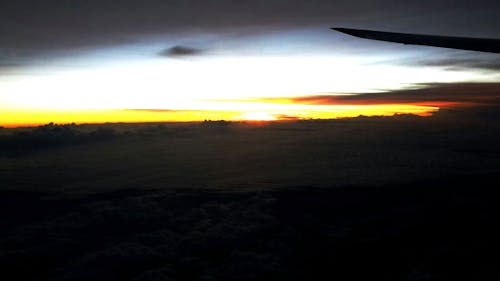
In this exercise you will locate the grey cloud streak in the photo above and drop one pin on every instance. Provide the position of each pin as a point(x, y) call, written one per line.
point(431, 94)
point(456, 60)
point(181, 51)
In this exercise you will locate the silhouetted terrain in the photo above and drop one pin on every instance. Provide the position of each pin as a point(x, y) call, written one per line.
point(399, 198)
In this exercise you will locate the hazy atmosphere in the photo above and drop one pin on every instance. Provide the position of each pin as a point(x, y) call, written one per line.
point(247, 140)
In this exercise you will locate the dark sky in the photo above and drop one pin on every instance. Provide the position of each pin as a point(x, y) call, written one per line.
point(31, 28)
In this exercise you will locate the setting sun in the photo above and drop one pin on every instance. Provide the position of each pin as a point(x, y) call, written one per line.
point(258, 116)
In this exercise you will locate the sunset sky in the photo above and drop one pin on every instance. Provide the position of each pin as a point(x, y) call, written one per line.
point(132, 61)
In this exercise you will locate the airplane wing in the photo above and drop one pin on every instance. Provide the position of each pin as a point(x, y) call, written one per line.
point(462, 43)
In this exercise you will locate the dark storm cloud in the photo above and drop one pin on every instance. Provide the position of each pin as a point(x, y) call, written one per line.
point(33, 27)
point(433, 94)
point(181, 51)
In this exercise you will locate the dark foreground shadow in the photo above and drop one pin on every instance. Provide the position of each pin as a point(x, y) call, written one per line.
point(423, 231)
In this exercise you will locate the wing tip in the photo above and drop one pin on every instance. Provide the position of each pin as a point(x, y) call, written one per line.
point(340, 29)
point(350, 31)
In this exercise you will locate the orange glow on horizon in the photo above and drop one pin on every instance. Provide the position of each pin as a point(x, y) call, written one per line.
point(232, 87)
point(33, 117)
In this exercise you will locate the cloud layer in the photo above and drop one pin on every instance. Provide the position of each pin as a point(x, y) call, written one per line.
point(432, 94)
